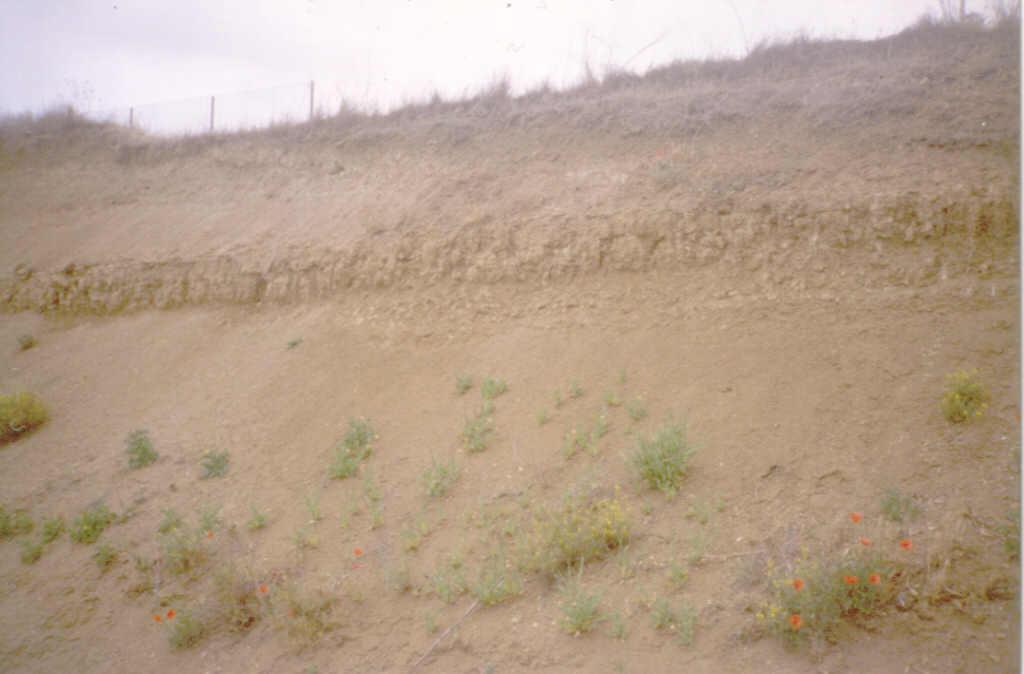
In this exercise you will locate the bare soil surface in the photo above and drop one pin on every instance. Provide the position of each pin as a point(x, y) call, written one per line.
point(789, 253)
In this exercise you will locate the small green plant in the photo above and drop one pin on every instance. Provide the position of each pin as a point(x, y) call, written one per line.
point(14, 524)
point(491, 388)
point(575, 390)
point(636, 409)
point(105, 557)
point(171, 521)
point(447, 582)
point(678, 574)
point(209, 519)
point(682, 621)
point(574, 441)
point(703, 510)
point(898, 507)
point(313, 508)
point(430, 622)
point(662, 460)
point(581, 610)
point(355, 447)
point(600, 429)
point(183, 551)
point(578, 530)
point(88, 526)
point(257, 521)
point(26, 342)
point(397, 577)
point(19, 414)
point(496, 583)
point(965, 398)
point(543, 417)
point(237, 599)
point(1009, 530)
point(186, 631)
point(463, 383)
point(292, 343)
point(413, 533)
point(214, 464)
point(696, 546)
point(612, 399)
point(305, 539)
point(440, 477)
point(53, 527)
point(478, 430)
point(139, 449)
point(304, 616)
point(31, 551)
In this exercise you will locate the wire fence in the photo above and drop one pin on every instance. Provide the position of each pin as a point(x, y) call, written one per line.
point(238, 111)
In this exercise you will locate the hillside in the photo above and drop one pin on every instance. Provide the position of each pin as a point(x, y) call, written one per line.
point(788, 253)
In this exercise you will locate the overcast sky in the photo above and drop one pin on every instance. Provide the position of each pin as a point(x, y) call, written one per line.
point(107, 55)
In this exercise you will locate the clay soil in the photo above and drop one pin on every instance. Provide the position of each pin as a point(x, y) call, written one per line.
point(788, 253)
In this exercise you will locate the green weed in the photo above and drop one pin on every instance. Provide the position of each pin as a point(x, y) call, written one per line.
point(463, 383)
point(15, 524)
point(19, 414)
point(214, 464)
point(355, 448)
point(31, 551)
point(898, 507)
point(105, 557)
point(636, 409)
point(491, 388)
point(662, 461)
point(26, 342)
point(139, 449)
point(186, 631)
point(965, 398)
point(478, 430)
point(171, 521)
point(440, 477)
point(88, 526)
point(581, 610)
point(53, 527)
point(257, 521)
point(578, 530)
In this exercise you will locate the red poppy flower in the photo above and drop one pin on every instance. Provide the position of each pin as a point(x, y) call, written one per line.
point(795, 621)
point(171, 614)
point(865, 541)
point(358, 552)
point(158, 619)
point(856, 517)
point(209, 534)
point(263, 588)
point(850, 580)
point(906, 544)
point(798, 584)
point(875, 579)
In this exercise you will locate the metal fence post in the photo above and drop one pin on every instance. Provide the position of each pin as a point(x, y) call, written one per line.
point(311, 85)
point(212, 103)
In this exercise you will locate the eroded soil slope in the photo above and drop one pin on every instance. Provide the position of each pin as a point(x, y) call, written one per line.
point(789, 253)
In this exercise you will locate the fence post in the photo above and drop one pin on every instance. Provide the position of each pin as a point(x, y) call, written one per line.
point(212, 103)
point(311, 100)
point(131, 118)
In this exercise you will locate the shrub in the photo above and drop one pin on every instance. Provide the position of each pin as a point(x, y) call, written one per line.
point(440, 477)
point(463, 383)
point(477, 431)
point(354, 448)
point(19, 414)
point(139, 449)
point(965, 397)
point(662, 460)
point(579, 530)
point(14, 524)
point(105, 557)
point(581, 611)
point(491, 388)
point(214, 464)
point(186, 631)
point(31, 551)
point(88, 526)
point(237, 600)
point(304, 616)
point(53, 527)
point(26, 342)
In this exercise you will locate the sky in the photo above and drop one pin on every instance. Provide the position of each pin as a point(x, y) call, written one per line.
point(166, 58)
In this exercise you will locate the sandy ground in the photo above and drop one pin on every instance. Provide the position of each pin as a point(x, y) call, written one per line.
point(795, 283)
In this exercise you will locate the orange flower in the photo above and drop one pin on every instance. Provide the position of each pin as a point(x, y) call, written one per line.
point(795, 621)
point(856, 517)
point(865, 541)
point(158, 619)
point(263, 588)
point(209, 533)
point(798, 584)
point(875, 579)
point(906, 544)
point(850, 580)
point(171, 614)
point(359, 552)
